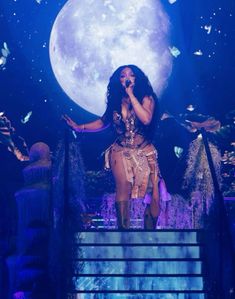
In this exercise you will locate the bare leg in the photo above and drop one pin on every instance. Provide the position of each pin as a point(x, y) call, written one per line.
point(152, 210)
point(123, 190)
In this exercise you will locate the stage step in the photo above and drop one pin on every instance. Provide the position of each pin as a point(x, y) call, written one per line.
point(138, 295)
point(162, 264)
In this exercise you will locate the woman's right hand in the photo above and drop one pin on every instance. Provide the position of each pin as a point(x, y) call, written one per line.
point(70, 122)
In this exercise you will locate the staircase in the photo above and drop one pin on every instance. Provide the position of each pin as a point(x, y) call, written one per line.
point(157, 264)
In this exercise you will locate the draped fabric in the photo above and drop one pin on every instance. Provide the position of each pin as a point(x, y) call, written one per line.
point(197, 176)
point(68, 204)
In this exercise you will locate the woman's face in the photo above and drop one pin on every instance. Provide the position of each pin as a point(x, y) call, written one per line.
point(127, 74)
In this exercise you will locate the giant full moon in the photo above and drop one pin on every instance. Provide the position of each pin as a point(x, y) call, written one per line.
point(91, 38)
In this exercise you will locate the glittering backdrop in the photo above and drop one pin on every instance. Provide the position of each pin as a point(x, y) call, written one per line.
point(201, 47)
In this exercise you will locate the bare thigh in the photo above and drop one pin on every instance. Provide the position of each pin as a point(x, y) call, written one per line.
point(123, 186)
point(154, 205)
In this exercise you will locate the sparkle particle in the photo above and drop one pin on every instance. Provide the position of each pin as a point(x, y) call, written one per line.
point(5, 52)
point(198, 53)
point(174, 51)
point(27, 117)
point(190, 108)
point(208, 28)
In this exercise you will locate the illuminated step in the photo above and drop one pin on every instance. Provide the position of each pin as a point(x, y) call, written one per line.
point(139, 295)
point(147, 237)
point(133, 251)
point(141, 283)
point(137, 267)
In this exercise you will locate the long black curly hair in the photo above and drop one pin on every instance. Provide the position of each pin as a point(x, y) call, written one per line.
point(142, 88)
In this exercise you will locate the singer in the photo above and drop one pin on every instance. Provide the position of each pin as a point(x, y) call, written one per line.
point(132, 111)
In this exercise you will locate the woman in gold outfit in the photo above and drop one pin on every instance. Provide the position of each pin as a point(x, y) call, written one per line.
point(131, 110)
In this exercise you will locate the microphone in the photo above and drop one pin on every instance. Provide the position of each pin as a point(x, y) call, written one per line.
point(127, 83)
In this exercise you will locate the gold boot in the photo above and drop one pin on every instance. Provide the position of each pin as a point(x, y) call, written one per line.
point(123, 214)
point(150, 221)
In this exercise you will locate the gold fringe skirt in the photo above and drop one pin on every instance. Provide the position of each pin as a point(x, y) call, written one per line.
point(140, 164)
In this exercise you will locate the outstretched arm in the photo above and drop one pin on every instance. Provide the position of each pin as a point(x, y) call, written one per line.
point(94, 126)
